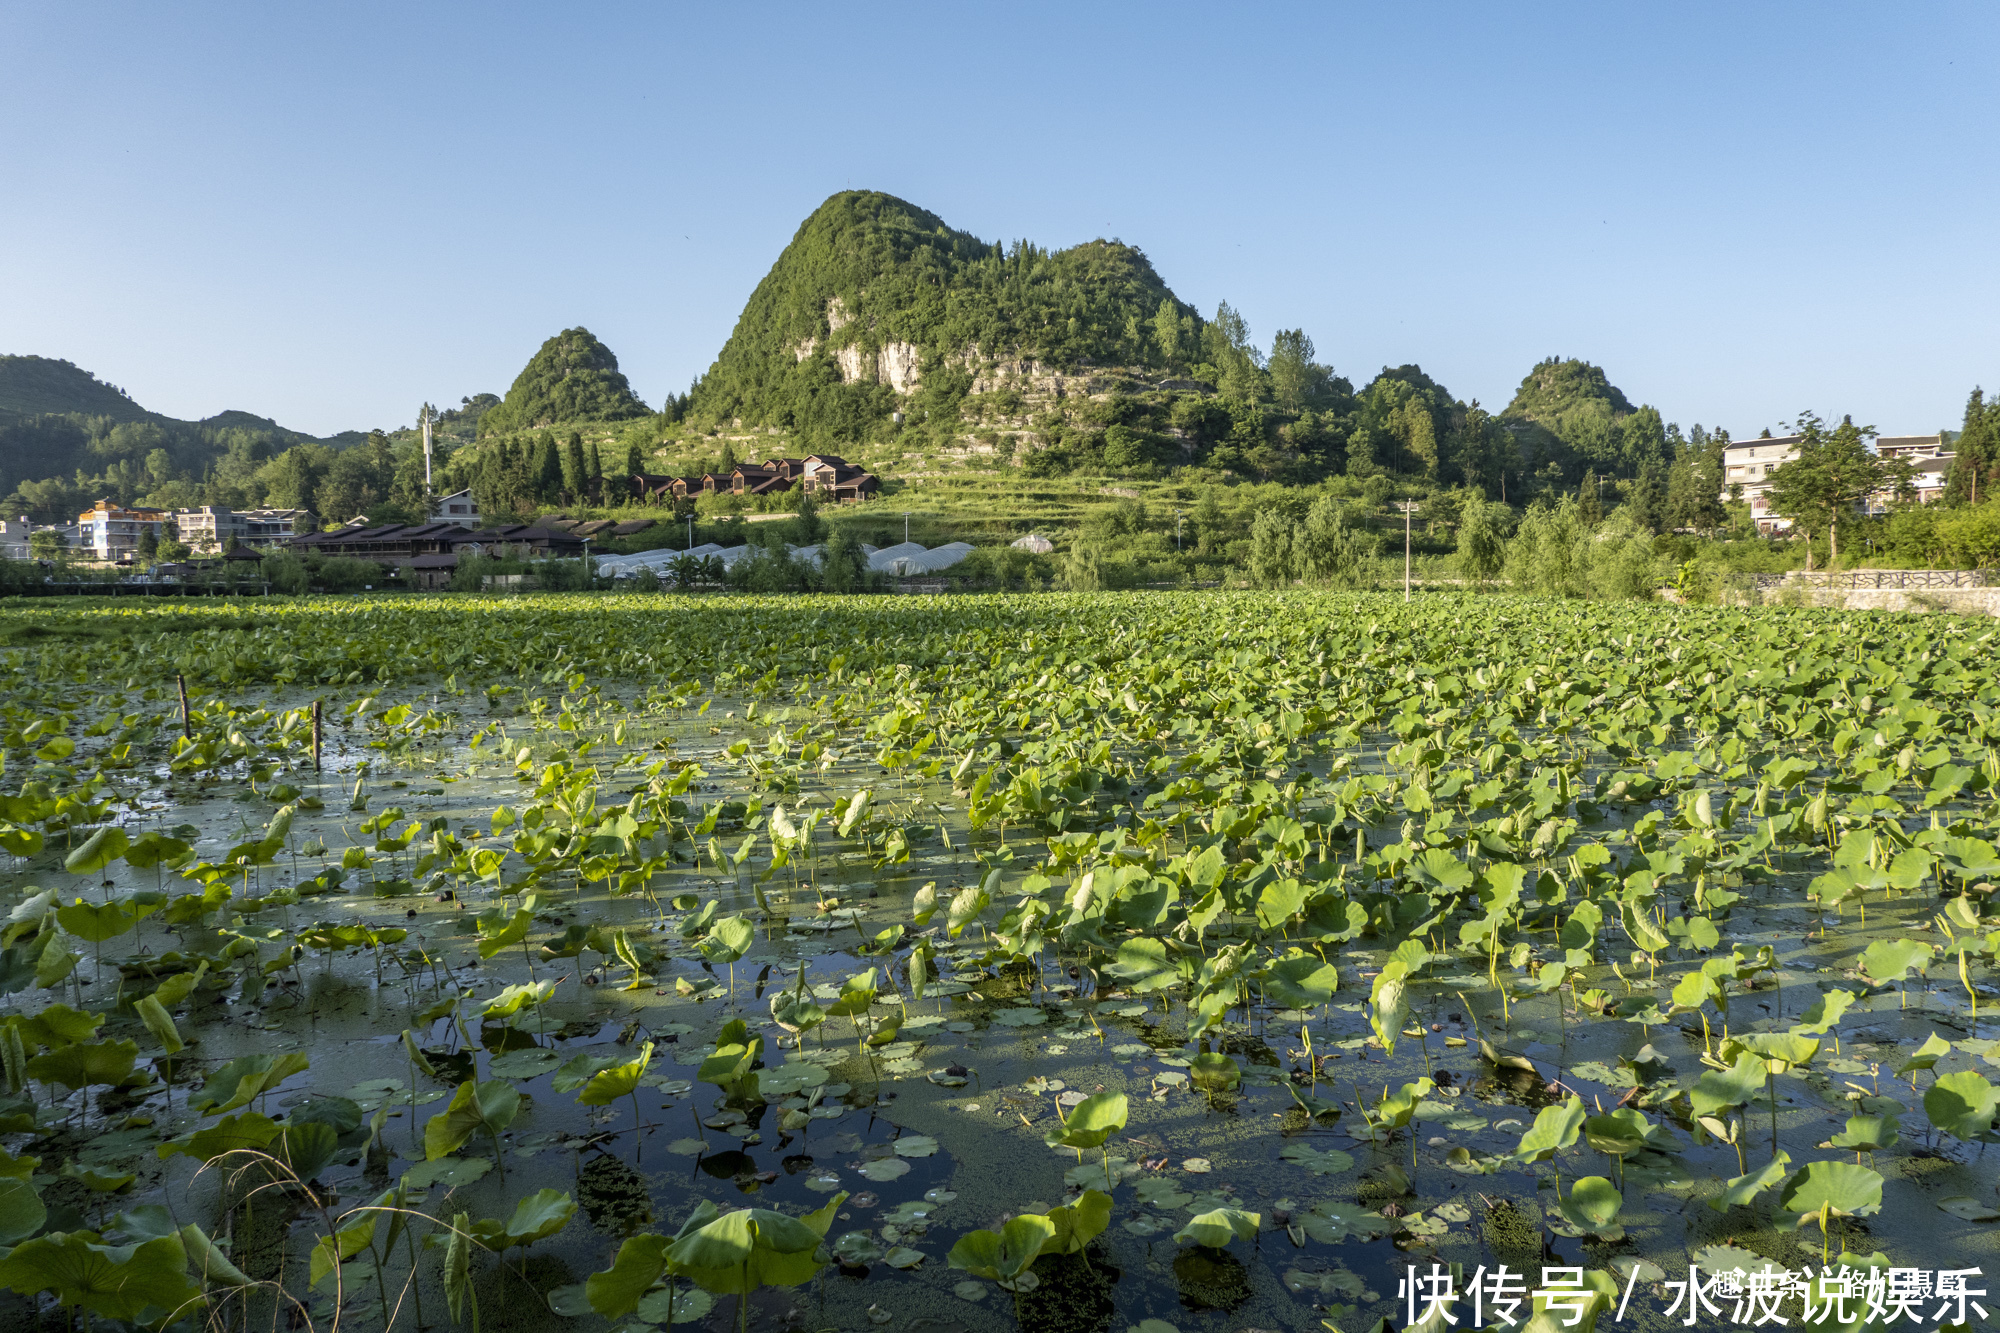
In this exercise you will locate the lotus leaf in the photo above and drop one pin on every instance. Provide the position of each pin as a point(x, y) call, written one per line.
point(753, 1247)
point(1743, 1189)
point(1004, 1256)
point(246, 1078)
point(476, 1107)
point(85, 1065)
point(537, 1217)
point(1848, 1190)
point(1962, 1104)
point(1555, 1128)
point(1218, 1227)
point(118, 1282)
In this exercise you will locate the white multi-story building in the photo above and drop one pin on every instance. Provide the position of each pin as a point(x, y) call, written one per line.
point(1747, 466)
point(111, 532)
point(1746, 474)
point(211, 526)
point(1930, 465)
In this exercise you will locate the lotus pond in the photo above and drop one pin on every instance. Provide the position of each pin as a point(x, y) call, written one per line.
point(1095, 962)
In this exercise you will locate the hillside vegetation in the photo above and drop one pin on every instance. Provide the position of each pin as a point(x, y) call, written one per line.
point(37, 385)
point(574, 377)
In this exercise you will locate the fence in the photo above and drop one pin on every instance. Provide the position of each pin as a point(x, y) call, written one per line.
point(79, 589)
point(1877, 578)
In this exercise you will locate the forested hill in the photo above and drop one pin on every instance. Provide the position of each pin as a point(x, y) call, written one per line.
point(1568, 411)
point(68, 438)
point(34, 385)
point(873, 293)
point(574, 377)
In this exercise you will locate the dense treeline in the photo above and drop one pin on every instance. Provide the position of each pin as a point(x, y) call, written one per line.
point(54, 466)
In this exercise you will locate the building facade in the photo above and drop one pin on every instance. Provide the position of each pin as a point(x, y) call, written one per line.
point(459, 507)
point(209, 528)
point(1748, 465)
point(111, 532)
point(1930, 465)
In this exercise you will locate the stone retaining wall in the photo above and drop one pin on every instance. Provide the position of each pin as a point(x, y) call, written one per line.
point(1964, 601)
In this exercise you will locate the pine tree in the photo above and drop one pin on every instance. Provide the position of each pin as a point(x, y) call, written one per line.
point(546, 473)
point(575, 480)
point(1649, 497)
point(1976, 468)
point(1589, 508)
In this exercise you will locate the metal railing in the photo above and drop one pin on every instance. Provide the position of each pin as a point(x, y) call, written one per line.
point(1877, 578)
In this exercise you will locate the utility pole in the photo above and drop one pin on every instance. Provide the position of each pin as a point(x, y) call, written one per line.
point(1408, 507)
point(1177, 532)
point(906, 529)
point(424, 420)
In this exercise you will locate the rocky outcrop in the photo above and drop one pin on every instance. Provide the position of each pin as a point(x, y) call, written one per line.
point(898, 365)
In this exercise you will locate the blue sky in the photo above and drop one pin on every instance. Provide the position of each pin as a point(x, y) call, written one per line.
point(329, 214)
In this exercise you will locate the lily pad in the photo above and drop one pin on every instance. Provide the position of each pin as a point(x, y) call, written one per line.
point(523, 1063)
point(450, 1172)
point(885, 1168)
point(1970, 1209)
point(916, 1145)
point(1321, 1163)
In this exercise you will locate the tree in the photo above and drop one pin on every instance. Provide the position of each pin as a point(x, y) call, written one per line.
point(1167, 331)
point(1589, 508)
point(1694, 481)
point(48, 544)
point(1324, 548)
point(1472, 450)
point(635, 459)
point(545, 471)
point(575, 480)
point(1361, 453)
point(1272, 560)
point(1481, 548)
point(1294, 377)
point(1209, 523)
point(1647, 498)
point(1832, 473)
point(1975, 470)
point(149, 544)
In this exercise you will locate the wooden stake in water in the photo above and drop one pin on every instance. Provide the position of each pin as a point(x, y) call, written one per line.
point(315, 735)
point(186, 731)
